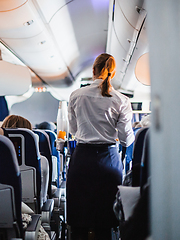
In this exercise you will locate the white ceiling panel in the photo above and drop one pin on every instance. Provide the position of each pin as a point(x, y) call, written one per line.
point(116, 49)
point(128, 8)
point(38, 43)
point(49, 8)
point(14, 22)
point(65, 36)
point(123, 29)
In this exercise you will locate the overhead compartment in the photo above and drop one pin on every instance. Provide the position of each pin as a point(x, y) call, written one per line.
point(38, 52)
point(125, 22)
point(29, 39)
point(56, 39)
point(131, 10)
point(14, 79)
point(25, 21)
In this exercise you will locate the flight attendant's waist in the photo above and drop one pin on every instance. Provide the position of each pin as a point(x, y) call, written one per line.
point(96, 145)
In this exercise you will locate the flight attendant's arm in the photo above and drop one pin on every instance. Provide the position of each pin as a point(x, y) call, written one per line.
point(124, 126)
point(72, 118)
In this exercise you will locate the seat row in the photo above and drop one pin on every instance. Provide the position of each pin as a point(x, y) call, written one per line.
point(20, 181)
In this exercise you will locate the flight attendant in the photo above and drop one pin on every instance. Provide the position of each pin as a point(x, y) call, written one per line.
point(98, 115)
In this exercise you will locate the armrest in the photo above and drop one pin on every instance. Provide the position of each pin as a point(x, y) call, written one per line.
point(56, 197)
point(129, 198)
point(47, 210)
point(32, 230)
point(63, 184)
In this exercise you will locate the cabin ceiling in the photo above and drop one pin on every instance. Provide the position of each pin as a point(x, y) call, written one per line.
point(55, 39)
point(58, 40)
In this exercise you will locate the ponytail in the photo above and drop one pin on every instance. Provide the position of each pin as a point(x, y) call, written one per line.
point(104, 67)
point(107, 74)
point(106, 86)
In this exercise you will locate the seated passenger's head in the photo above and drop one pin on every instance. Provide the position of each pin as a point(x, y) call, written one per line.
point(15, 121)
point(136, 125)
point(46, 125)
point(146, 121)
point(104, 68)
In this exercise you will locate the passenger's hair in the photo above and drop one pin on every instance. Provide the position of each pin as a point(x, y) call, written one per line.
point(136, 125)
point(14, 121)
point(105, 68)
point(46, 125)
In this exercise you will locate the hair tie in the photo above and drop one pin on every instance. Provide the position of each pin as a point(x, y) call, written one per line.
point(109, 74)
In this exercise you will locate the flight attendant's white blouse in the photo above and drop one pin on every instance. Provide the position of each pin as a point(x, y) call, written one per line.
point(96, 119)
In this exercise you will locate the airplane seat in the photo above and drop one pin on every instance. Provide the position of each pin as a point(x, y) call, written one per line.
point(129, 153)
point(57, 196)
point(131, 206)
point(45, 150)
point(11, 196)
point(52, 137)
point(144, 171)
point(27, 151)
point(60, 184)
point(137, 155)
point(30, 166)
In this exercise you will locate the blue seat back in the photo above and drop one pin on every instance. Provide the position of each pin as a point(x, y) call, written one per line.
point(145, 171)
point(138, 145)
point(45, 150)
point(10, 175)
point(28, 154)
point(137, 155)
point(52, 137)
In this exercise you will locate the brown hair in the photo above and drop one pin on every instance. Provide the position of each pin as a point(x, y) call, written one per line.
point(105, 67)
point(14, 121)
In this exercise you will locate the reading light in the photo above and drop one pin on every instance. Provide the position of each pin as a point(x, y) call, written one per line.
point(42, 42)
point(28, 23)
point(139, 9)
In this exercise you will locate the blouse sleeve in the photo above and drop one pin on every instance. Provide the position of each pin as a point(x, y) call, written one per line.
point(72, 118)
point(124, 126)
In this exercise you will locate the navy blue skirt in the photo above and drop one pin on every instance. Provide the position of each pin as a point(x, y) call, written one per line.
point(94, 173)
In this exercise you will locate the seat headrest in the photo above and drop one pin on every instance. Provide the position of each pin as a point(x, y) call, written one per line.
point(10, 174)
point(31, 144)
point(8, 160)
point(52, 137)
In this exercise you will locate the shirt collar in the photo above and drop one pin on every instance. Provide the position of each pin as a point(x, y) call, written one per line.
point(96, 82)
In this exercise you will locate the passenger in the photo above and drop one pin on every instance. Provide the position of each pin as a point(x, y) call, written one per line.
point(146, 121)
point(46, 125)
point(136, 125)
point(14, 121)
point(98, 115)
point(50, 126)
